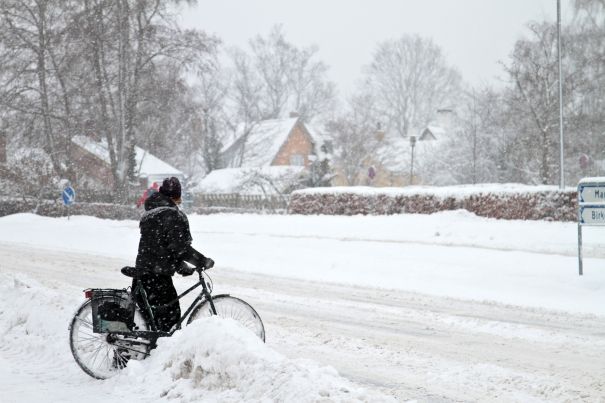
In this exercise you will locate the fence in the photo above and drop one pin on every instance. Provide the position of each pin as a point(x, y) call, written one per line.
point(234, 202)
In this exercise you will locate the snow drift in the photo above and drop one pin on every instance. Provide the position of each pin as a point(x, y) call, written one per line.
point(217, 360)
point(211, 360)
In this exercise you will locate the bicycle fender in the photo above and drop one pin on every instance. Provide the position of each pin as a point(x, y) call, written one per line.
point(220, 295)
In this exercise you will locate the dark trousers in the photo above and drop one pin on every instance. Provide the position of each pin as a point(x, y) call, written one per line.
point(160, 291)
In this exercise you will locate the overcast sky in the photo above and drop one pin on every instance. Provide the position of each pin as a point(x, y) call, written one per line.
point(474, 34)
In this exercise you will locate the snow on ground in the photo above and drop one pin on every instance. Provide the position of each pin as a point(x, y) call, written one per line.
point(453, 254)
point(217, 360)
point(213, 360)
point(442, 307)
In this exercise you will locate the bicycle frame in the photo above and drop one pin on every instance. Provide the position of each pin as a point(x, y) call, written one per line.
point(154, 333)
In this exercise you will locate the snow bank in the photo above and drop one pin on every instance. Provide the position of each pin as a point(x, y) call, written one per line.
point(217, 360)
point(33, 333)
point(211, 360)
point(32, 316)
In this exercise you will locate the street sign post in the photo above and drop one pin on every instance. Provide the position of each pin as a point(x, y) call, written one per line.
point(69, 197)
point(591, 208)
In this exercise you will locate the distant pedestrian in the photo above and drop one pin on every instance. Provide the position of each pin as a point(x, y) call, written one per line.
point(148, 192)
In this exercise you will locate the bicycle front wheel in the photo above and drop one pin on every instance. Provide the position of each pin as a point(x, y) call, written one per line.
point(232, 308)
point(102, 355)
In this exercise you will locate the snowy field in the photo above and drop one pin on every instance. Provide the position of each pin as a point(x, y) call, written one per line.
point(443, 307)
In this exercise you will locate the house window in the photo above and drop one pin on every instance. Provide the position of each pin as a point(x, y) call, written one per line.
point(297, 160)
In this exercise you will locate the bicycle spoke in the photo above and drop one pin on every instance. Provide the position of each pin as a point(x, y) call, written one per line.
point(87, 323)
point(89, 338)
point(96, 354)
point(89, 343)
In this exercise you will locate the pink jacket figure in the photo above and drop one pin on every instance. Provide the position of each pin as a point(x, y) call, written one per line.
point(154, 188)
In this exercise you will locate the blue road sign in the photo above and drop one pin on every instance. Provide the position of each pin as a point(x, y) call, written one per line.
point(69, 195)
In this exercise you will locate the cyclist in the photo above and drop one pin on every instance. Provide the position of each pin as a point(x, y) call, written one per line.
point(164, 248)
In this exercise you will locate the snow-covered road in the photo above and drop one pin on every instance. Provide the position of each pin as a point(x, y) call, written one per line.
point(405, 344)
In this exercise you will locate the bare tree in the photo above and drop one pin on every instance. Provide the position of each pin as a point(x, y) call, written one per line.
point(410, 79)
point(469, 154)
point(312, 94)
point(214, 121)
point(33, 82)
point(129, 40)
point(354, 142)
point(533, 98)
point(70, 67)
point(277, 78)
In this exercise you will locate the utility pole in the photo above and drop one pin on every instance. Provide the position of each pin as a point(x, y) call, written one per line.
point(561, 161)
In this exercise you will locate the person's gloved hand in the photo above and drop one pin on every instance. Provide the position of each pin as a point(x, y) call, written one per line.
point(208, 263)
point(185, 270)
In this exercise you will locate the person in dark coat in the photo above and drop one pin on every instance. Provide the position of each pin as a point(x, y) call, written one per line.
point(164, 248)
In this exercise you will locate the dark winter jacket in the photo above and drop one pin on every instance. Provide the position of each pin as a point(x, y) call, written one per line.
point(165, 238)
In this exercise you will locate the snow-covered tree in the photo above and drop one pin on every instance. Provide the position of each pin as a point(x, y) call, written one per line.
point(92, 66)
point(410, 79)
point(354, 141)
point(275, 78)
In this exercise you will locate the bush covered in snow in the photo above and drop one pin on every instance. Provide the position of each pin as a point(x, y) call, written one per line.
point(57, 209)
point(515, 202)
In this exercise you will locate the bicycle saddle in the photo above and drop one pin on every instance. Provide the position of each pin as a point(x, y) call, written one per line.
point(131, 272)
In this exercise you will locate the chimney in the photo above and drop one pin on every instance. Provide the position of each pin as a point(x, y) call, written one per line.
point(379, 133)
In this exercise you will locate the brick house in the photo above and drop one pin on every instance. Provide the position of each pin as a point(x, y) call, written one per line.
point(92, 159)
point(270, 143)
point(270, 156)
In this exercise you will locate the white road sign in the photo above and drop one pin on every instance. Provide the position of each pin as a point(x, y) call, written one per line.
point(592, 193)
point(592, 214)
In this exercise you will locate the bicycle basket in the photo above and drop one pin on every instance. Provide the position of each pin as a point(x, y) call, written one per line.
point(112, 311)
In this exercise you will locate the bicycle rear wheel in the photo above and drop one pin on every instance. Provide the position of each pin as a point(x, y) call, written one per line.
point(232, 308)
point(102, 355)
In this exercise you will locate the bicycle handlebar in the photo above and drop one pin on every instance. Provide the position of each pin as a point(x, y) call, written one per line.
point(208, 264)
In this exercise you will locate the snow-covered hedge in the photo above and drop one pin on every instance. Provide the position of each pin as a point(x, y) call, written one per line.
point(509, 201)
point(56, 209)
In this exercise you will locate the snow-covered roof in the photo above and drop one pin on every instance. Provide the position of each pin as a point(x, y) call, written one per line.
point(249, 180)
point(317, 134)
point(319, 137)
point(263, 141)
point(147, 163)
point(436, 130)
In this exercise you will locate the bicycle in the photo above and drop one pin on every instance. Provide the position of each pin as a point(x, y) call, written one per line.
point(102, 343)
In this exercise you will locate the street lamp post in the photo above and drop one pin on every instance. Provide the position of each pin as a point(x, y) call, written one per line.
point(561, 161)
point(412, 144)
